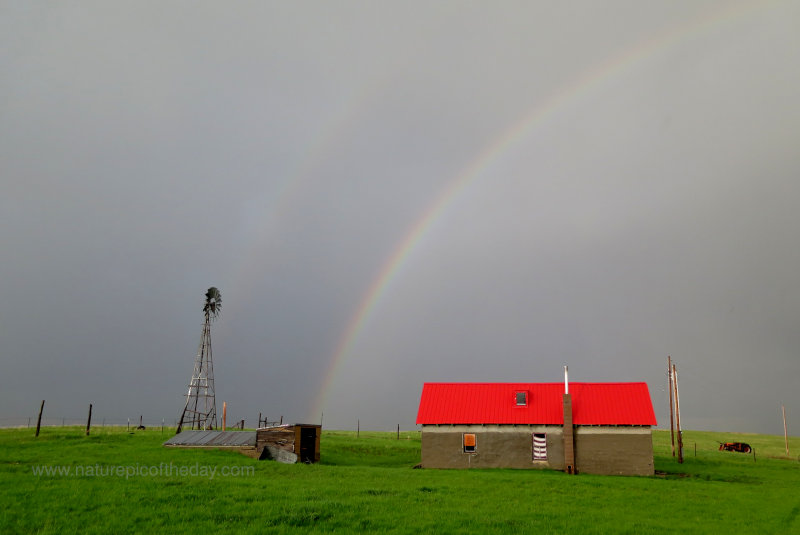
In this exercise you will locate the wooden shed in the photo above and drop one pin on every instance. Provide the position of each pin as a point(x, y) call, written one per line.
point(598, 428)
point(290, 443)
point(300, 441)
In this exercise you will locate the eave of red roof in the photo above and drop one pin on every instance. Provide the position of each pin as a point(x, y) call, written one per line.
point(495, 403)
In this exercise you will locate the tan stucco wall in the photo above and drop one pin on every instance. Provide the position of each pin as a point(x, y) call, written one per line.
point(497, 447)
point(614, 451)
point(598, 450)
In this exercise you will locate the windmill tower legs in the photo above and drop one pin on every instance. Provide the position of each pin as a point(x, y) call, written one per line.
point(200, 411)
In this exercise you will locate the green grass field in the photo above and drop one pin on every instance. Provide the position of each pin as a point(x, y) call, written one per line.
point(368, 484)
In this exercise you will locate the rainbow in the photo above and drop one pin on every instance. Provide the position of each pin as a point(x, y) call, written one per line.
point(591, 80)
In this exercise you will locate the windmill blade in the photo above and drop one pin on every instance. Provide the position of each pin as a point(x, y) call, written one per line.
point(213, 302)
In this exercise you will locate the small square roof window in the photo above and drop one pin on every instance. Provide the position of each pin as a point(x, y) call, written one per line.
point(522, 399)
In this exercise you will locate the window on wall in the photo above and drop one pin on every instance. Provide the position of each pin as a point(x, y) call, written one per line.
point(522, 399)
point(469, 443)
point(540, 446)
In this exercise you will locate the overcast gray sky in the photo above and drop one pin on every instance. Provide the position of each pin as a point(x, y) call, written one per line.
point(388, 193)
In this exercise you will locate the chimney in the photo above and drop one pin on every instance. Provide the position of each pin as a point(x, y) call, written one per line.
point(568, 432)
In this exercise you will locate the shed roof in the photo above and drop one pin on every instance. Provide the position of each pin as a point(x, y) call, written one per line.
point(213, 438)
point(496, 403)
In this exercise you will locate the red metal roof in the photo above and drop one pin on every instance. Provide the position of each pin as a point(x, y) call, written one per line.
point(495, 403)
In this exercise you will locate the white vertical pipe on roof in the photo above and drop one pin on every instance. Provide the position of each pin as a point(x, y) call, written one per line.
point(566, 380)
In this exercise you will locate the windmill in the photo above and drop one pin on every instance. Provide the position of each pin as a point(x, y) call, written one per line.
point(200, 411)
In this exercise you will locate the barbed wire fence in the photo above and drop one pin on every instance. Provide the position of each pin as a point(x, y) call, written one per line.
point(142, 422)
point(98, 421)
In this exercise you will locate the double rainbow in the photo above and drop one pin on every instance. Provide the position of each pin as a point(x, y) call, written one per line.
point(590, 80)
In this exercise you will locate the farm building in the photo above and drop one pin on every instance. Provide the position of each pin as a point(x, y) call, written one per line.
point(284, 443)
point(596, 428)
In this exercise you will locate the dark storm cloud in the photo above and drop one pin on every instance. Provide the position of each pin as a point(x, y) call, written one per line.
point(282, 152)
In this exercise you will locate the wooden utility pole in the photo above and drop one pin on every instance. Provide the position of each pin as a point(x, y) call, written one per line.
point(785, 434)
point(678, 413)
point(671, 405)
point(89, 420)
point(39, 420)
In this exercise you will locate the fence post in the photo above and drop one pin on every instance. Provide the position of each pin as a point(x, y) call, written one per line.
point(39, 420)
point(89, 420)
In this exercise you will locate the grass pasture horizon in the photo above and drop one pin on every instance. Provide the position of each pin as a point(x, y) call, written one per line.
point(114, 481)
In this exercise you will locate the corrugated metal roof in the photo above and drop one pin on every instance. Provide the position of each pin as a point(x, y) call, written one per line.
point(495, 403)
point(213, 438)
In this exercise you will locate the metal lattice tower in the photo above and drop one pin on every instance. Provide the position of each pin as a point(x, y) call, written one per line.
point(200, 411)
